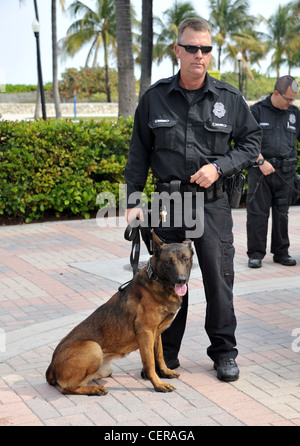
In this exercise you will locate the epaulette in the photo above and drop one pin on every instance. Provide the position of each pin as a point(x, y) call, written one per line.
point(166, 80)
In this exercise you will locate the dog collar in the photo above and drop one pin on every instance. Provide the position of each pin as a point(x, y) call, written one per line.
point(153, 276)
point(149, 270)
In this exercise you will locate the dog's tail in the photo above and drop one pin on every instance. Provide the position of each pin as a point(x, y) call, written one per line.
point(50, 377)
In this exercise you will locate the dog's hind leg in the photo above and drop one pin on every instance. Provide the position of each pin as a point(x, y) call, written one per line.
point(75, 365)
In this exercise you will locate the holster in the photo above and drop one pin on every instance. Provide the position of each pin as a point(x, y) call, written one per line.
point(288, 165)
point(235, 187)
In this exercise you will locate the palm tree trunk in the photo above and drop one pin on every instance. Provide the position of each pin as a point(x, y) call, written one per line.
point(127, 93)
point(54, 62)
point(147, 45)
point(107, 81)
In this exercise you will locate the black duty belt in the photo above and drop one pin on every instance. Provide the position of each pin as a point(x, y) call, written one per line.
point(211, 193)
point(283, 163)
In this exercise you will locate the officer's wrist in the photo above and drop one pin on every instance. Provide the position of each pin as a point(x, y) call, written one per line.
point(218, 169)
point(259, 162)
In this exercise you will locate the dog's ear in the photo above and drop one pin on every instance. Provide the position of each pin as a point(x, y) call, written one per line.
point(188, 242)
point(157, 244)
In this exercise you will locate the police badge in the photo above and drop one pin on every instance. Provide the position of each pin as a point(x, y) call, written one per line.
point(292, 118)
point(219, 110)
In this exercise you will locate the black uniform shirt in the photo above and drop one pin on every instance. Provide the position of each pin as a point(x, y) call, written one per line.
point(280, 128)
point(176, 134)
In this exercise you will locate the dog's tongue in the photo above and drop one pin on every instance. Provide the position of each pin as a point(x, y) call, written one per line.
point(181, 289)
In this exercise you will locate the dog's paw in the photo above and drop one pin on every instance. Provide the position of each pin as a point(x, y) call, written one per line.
point(164, 387)
point(169, 374)
point(97, 390)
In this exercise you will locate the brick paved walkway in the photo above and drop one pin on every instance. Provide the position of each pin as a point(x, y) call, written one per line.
point(54, 274)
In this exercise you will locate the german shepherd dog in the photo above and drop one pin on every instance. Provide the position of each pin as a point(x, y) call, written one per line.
point(131, 319)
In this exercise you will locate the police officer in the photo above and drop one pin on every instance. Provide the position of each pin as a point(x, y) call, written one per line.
point(183, 130)
point(280, 123)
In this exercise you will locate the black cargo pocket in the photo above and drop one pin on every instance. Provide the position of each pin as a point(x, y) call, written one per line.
point(164, 131)
point(227, 256)
point(218, 136)
point(266, 133)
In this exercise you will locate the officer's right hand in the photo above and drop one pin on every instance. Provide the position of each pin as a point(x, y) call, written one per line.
point(267, 168)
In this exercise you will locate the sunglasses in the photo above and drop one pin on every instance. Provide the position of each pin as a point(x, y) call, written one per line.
point(287, 100)
point(192, 49)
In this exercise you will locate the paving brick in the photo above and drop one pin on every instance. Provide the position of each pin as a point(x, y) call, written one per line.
point(44, 293)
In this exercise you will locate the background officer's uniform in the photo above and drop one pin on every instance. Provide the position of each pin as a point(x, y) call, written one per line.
point(177, 131)
point(280, 130)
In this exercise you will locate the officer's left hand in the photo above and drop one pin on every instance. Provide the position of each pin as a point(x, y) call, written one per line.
point(267, 168)
point(205, 176)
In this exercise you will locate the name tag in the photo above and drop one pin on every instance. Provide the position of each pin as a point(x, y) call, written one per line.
point(218, 124)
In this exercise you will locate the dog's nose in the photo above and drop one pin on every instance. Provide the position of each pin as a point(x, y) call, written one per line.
point(181, 279)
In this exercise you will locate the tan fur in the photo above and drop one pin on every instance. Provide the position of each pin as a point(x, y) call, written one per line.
point(131, 319)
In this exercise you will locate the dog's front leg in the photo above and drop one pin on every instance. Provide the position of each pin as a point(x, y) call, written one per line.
point(146, 346)
point(160, 362)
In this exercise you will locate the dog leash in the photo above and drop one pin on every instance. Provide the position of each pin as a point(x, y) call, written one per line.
point(133, 234)
point(282, 179)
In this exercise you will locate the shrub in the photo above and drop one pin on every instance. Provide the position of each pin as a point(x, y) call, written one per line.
point(59, 167)
point(88, 83)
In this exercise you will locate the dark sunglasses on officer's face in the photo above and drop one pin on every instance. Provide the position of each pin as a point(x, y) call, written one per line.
point(193, 48)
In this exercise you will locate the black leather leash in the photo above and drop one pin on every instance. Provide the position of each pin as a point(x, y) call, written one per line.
point(133, 233)
point(282, 179)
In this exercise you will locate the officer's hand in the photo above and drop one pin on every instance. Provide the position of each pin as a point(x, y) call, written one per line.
point(267, 168)
point(131, 214)
point(205, 176)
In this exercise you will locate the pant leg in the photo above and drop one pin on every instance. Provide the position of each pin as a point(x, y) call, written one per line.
point(280, 240)
point(215, 253)
point(259, 200)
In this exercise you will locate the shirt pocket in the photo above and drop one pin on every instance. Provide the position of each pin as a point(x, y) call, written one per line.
point(267, 133)
point(164, 131)
point(291, 134)
point(218, 137)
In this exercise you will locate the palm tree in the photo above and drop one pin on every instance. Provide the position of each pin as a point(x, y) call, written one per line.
point(228, 17)
point(127, 93)
point(252, 47)
point(54, 58)
point(96, 28)
point(283, 36)
point(147, 44)
point(172, 17)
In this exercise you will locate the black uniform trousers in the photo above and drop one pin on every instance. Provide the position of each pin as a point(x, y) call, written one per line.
point(215, 252)
point(265, 193)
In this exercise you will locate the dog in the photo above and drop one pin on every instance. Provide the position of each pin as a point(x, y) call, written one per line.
point(131, 319)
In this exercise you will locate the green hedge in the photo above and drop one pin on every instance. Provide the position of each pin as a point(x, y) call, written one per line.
point(59, 167)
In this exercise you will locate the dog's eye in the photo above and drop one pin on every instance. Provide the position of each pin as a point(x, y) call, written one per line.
point(186, 259)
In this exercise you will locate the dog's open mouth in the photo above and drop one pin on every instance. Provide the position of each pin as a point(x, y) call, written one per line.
point(181, 289)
